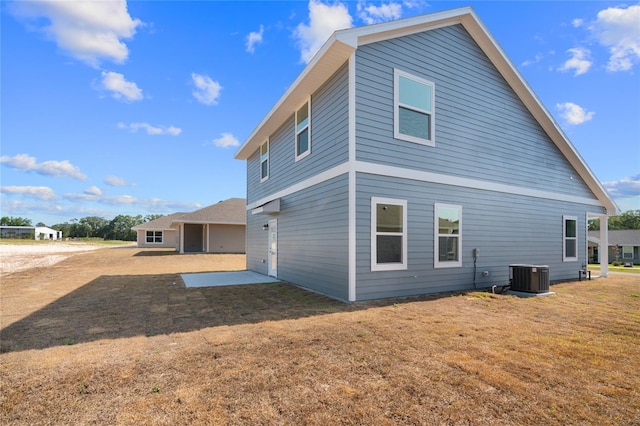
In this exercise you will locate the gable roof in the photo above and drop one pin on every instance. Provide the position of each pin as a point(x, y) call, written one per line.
point(160, 224)
point(228, 212)
point(337, 50)
point(618, 237)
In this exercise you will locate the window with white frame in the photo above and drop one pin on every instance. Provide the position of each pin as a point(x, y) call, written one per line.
point(627, 252)
point(388, 234)
point(448, 236)
point(570, 238)
point(264, 161)
point(303, 133)
point(413, 108)
point(154, 237)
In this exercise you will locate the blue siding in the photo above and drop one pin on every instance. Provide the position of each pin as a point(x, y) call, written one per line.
point(507, 229)
point(329, 142)
point(482, 129)
point(312, 239)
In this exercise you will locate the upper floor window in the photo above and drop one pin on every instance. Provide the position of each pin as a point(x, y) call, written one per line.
point(448, 236)
point(413, 108)
point(570, 238)
point(264, 161)
point(388, 234)
point(303, 134)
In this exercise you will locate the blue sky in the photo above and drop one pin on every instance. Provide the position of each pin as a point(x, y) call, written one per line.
point(138, 107)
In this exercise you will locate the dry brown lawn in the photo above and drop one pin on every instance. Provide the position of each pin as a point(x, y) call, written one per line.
point(112, 336)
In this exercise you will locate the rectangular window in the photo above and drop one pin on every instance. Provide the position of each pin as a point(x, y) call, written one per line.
point(264, 161)
point(413, 108)
point(303, 133)
point(447, 236)
point(388, 234)
point(570, 238)
point(627, 252)
point(154, 237)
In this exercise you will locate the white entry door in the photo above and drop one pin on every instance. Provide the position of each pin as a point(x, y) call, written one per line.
point(273, 248)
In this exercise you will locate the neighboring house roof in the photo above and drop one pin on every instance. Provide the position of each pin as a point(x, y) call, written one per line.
point(161, 224)
point(342, 44)
point(618, 237)
point(228, 212)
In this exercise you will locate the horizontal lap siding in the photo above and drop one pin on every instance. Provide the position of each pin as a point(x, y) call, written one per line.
point(329, 142)
point(482, 129)
point(257, 243)
point(507, 229)
point(313, 238)
point(169, 240)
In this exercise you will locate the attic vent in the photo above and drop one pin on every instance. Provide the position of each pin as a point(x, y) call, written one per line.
point(529, 278)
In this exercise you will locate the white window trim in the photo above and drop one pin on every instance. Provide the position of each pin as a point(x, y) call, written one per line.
point(268, 160)
point(627, 250)
point(296, 132)
point(153, 236)
point(375, 266)
point(437, 263)
point(565, 238)
point(396, 109)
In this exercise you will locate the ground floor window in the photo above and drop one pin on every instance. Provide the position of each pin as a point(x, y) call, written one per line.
point(627, 252)
point(388, 234)
point(154, 237)
point(570, 238)
point(447, 236)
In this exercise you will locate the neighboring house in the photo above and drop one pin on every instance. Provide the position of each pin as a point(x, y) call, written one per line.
point(624, 246)
point(158, 233)
point(30, 232)
point(411, 157)
point(219, 228)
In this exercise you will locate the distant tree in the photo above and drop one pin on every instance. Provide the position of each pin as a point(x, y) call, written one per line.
point(150, 217)
point(93, 226)
point(64, 227)
point(120, 227)
point(594, 224)
point(627, 220)
point(15, 221)
point(40, 224)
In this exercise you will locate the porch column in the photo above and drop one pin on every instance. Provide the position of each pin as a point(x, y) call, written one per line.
point(604, 246)
point(181, 231)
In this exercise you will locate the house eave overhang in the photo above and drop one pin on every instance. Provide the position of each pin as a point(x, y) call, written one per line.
point(343, 43)
point(204, 222)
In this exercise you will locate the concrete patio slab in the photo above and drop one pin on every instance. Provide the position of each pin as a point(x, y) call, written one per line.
point(217, 279)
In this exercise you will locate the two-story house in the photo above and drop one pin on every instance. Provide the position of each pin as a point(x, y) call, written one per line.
point(411, 157)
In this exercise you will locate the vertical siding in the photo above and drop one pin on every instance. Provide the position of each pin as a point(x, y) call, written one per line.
point(482, 129)
point(312, 239)
point(507, 229)
point(329, 142)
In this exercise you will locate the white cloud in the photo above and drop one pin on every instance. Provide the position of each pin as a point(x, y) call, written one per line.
point(625, 187)
point(151, 130)
point(226, 140)
point(53, 168)
point(116, 181)
point(535, 60)
point(254, 38)
point(619, 29)
point(93, 190)
point(580, 61)
point(324, 19)
point(371, 14)
point(39, 192)
point(86, 30)
point(207, 91)
point(574, 114)
point(576, 23)
point(119, 87)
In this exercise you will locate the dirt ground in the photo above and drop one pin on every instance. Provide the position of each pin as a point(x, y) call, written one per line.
point(112, 336)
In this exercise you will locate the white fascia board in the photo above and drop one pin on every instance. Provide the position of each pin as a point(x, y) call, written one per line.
point(333, 54)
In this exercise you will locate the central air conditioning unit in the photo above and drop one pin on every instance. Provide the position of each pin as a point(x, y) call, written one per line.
point(529, 278)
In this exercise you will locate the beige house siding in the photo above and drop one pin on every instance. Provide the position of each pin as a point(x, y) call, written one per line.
point(169, 239)
point(227, 238)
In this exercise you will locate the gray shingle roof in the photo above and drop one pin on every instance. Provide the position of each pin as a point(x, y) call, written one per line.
point(161, 223)
point(624, 237)
point(231, 212)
